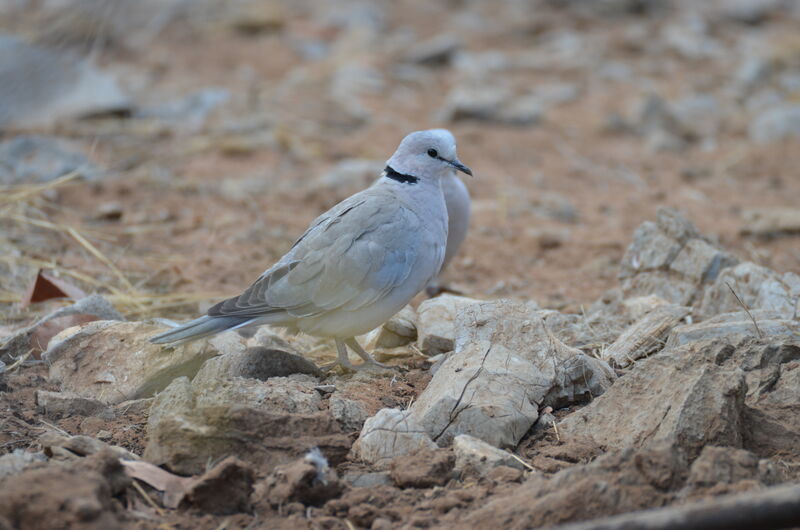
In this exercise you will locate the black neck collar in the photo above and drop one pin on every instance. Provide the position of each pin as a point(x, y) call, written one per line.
point(399, 177)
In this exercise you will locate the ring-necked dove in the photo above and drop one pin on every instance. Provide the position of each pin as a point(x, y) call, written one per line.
point(456, 197)
point(359, 263)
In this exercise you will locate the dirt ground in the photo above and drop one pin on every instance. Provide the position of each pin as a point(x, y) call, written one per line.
point(190, 214)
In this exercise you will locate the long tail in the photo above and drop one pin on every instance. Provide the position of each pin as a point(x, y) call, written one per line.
point(199, 328)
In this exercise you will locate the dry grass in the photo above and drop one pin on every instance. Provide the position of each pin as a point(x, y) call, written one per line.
point(22, 212)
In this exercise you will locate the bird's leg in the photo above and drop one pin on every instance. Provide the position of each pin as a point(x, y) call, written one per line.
point(342, 359)
point(368, 359)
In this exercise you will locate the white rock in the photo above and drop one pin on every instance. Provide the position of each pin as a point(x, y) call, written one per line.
point(474, 456)
point(114, 361)
point(506, 364)
point(388, 434)
point(436, 322)
point(776, 123)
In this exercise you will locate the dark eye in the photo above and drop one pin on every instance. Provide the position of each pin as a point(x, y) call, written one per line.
point(433, 153)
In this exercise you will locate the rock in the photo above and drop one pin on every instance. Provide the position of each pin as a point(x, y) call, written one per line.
point(438, 51)
point(723, 465)
point(255, 362)
point(366, 480)
point(619, 481)
point(753, 72)
point(60, 404)
point(669, 259)
point(266, 423)
point(771, 221)
point(188, 113)
point(646, 336)
point(689, 38)
point(80, 445)
point(772, 421)
point(115, 361)
point(308, 481)
point(349, 174)
point(94, 306)
point(388, 434)
point(78, 495)
point(40, 86)
point(398, 331)
point(776, 123)
point(734, 327)
point(424, 468)
point(757, 287)
point(476, 457)
point(686, 396)
point(15, 462)
point(350, 413)
point(505, 366)
point(28, 159)
point(490, 103)
point(616, 7)
point(224, 489)
point(436, 322)
point(749, 11)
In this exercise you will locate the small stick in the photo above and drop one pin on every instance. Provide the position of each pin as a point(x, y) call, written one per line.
point(758, 331)
point(147, 498)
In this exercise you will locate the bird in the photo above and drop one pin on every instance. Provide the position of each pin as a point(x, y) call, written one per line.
point(357, 264)
point(457, 199)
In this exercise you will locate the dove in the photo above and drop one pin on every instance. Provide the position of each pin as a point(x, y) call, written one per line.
point(359, 263)
point(456, 197)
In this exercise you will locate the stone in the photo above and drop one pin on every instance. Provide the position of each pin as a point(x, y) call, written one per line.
point(256, 362)
point(190, 112)
point(61, 404)
point(308, 481)
point(15, 462)
point(114, 361)
point(685, 396)
point(436, 322)
point(424, 468)
point(476, 457)
point(76, 495)
point(367, 480)
point(505, 367)
point(669, 259)
point(438, 51)
point(646, 336)
point(350, 414)
point(223, 490)
point(723, 465)
point(94, 306)
point(769, 222)
point(776, 123)
point(398, 331)
point(33, 158)
point(757, 287)
point(733, 327)
point(622, 480)
point(40, 86)
point(388, 434)
point(265, 423)
point(350, 174)
point(81, 445)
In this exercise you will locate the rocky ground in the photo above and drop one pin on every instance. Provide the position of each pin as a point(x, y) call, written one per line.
point(623, 334)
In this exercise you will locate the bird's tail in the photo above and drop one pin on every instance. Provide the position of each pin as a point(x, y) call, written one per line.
point(199, 328)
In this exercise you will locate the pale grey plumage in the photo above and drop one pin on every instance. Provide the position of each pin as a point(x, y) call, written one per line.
point(357, 264)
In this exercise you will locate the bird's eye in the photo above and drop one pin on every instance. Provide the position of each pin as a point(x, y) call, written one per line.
point(433, 153)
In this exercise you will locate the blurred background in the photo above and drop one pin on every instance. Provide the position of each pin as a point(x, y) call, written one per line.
point(165, 152)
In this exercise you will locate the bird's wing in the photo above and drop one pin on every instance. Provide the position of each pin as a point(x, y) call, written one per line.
point(350, 257)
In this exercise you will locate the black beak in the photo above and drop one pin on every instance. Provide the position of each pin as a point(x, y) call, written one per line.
point(459, 166)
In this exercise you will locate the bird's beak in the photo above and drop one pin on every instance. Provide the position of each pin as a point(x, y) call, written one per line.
point(459, 166)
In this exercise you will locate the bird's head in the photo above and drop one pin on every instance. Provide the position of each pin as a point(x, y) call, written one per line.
point(427, 154)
